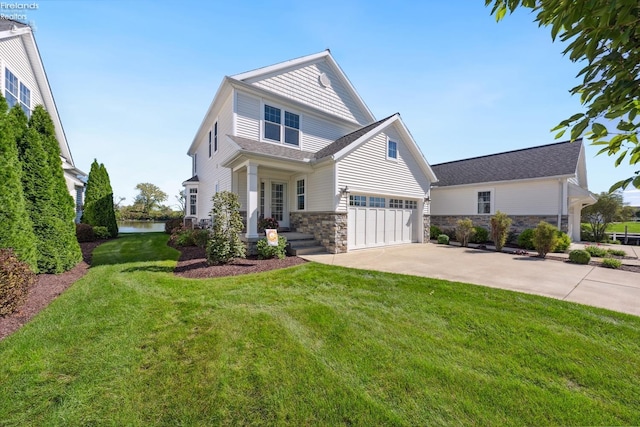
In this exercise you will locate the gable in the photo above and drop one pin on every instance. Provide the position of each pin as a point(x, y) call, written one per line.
point(13, 56)
point(315, 81)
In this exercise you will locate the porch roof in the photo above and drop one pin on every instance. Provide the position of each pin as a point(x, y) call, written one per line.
point(272, 150)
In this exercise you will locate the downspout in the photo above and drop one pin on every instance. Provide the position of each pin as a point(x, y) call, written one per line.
point(561, 203)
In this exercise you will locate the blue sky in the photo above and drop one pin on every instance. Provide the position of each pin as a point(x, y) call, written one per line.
point(133, 79)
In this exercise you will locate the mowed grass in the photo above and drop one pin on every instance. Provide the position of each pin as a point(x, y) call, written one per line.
point(130, 344)
point(618, 227)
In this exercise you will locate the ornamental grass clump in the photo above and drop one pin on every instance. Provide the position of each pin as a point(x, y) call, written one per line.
point(596, 251)
point(545, 238)
point(611, 263)
point(500, 224)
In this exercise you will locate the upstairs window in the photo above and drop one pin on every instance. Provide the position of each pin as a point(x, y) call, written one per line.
point(276, 129)
point(392, 150)
point(25, 99)
point(209, 144)
point(11, 88)
point(215, 137)
point(484, 202)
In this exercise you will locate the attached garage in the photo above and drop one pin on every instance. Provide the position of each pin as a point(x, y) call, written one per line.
point(381, 226)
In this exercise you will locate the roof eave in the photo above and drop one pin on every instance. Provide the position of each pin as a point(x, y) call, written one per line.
point(473, 184)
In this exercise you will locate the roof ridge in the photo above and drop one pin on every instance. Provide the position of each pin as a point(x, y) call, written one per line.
point(579, 140)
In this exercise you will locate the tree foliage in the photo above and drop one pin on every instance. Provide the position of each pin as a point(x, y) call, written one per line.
point(16, 230)
point(545, 238)
point(500, 224)
point(605, 35)
point(149, 197)
point(98, 201)
point(609, 208)
point(225, 243)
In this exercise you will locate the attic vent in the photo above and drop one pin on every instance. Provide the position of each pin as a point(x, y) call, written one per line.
point(324, 80)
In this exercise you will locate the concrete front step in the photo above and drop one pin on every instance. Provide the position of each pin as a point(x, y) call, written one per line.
point(307, 250)
point(302, 244)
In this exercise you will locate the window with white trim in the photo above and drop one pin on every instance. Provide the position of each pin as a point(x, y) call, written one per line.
point(392, 150)
point(193, 201)
point(262, 199)
point(377, 202)
point(210, 142)
point(484, 202)
point(355, 200)
point(300, 193)
point(215, 137)
point(410, 204)
point(194, 164)
point(279, 127)
point(395, 203)
point(16, 92)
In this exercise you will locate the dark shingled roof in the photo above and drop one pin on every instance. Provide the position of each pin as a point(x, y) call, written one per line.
point(545, 161)
point(193, 179)
point(273, 150)
point(344, 141)
point(7, 24)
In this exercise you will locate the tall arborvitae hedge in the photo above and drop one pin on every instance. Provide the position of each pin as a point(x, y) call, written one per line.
point(16, 229)
point(63, 204)
point(98, 200)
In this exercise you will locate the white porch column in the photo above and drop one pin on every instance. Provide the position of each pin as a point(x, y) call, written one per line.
point(252, 200)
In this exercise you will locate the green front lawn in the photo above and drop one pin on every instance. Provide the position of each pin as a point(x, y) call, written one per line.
point(130, 344)
point(618, 227)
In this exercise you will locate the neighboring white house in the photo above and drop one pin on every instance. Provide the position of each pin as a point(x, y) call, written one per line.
point(23, 81)
point(297, 143)
point(546, 183)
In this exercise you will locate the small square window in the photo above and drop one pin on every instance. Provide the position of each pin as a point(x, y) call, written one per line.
point(377, 202)
point(392, 151)
point(355, 200)
point(410, 204)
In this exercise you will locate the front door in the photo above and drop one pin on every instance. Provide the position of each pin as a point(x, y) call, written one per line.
point(279, 208)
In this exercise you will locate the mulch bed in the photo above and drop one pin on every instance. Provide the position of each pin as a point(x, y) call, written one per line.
point(192, 264)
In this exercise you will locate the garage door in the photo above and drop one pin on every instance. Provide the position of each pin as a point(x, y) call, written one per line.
point(370, 227)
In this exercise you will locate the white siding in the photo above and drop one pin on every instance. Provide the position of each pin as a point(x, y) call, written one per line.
point(523, 198)
point(368, 170)
point(248, 116)
point(318, 133)
point(14, 56)
point(320, 190)
point(302, 84)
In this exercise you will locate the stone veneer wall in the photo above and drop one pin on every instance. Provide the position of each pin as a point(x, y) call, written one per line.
point(328, 228)
point(427, 228)
point(519, 224)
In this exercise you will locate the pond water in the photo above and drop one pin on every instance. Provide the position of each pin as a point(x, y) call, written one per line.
point(140, 226)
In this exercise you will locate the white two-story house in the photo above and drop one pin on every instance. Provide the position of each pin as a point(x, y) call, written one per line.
point(296, 142)
point(23, 82)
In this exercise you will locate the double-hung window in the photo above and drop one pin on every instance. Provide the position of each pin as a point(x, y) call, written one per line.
point(16, 91)
point(25, 99)
point(300, 193)
point(279, 127)
point(392, 150)
point(484, 202)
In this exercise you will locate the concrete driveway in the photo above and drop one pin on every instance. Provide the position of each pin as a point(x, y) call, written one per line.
point(600, 287)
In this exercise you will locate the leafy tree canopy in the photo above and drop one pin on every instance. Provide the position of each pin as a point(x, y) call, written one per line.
point(605, 35)
point(609, 208)
point(149, 197)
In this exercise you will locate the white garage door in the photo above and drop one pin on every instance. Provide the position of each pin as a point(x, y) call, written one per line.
point(371, 227)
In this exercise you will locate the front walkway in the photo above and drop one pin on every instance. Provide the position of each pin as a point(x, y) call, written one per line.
point(600, 287)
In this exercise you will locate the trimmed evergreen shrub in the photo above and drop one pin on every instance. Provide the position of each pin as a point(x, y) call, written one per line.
point(564, 241)
point(500, 224)
point(443, 239)
point(434, 231)
point(544, 238)
point(16, 278)
point(596, 251)
point(101, 232)
point(464, 231)
point(480, 235)
point(225, 243)
point(98, 200)
point(16, 229)
point(266, 252)
point(525, 239)
point(579, 256)
point(84, 233)
point(611, 263)
point(172, 224)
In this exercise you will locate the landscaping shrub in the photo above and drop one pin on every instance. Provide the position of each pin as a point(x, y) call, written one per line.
point(434, 231)
point(500, 224)
point(200, 237)
point(450, 233)
point(225, 243)
point(596, 251)
point(480, 235)
point(443, 239)
point(464, 231)
point(265, 251)
point(267, 223)
point(525, 239)
point(16, 278)
point(101, 232)
point(579, 256)
point(544, 238)
point(616, 252)
point(85, 233)
point(611, 263)
point(586, 233)
point(172, 224)
point(564, 241)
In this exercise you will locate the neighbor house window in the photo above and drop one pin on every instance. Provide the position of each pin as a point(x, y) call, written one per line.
point(300, 194)
point(410, 204)
point(484, 202)
point(355, 200)
point(395, 203)
point(392, 149)
point(193, 201)
point(215, 137)
point(277, 130)
point(376, 202)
